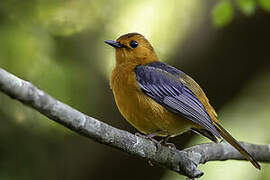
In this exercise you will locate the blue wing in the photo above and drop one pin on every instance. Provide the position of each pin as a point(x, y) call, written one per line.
point(161, 82)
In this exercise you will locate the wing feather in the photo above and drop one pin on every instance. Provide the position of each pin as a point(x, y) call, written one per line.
point(166, 89)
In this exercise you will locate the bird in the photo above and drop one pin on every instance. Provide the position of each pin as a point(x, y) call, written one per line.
point(159, 99)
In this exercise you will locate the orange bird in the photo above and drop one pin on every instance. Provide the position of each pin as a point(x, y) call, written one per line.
point(160, 100)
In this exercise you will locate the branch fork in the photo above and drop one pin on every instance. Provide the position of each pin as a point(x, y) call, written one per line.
point(184, 162)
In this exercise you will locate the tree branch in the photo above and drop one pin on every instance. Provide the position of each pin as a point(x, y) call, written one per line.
point(184, 162)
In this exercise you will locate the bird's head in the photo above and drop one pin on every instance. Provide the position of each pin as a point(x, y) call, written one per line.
point(134, 48)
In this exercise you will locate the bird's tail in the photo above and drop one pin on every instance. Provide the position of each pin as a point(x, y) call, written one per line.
point(236, 145)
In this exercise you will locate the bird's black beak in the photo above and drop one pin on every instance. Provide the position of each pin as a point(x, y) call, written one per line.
point(114, 44)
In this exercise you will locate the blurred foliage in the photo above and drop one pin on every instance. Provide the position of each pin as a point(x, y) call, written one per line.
point(265, 4)
point(58, 46)
point(247, 6)
point(223, 12)
point(66, 37)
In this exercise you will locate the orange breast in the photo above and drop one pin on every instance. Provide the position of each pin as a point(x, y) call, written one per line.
point(141, 111)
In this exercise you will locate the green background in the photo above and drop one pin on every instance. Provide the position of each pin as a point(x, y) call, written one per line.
point(58, 46)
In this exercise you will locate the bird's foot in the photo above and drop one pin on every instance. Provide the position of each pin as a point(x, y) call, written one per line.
point(167, 144)
point(151, 138)
point(158, 143)
point(170, 145)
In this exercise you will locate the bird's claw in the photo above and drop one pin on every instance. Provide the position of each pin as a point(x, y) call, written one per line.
point(170, 145)
point(165, 143)
point(151, 138)
point(158, 144)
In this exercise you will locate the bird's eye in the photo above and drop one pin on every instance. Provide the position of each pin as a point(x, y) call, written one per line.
point(133, 44)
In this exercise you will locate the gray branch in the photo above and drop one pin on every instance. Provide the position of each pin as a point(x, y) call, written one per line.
point(184, 162)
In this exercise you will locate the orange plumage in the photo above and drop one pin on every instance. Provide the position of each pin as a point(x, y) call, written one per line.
point(139, 110)
point(159, 99)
